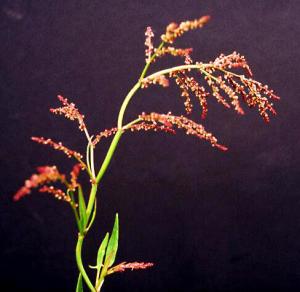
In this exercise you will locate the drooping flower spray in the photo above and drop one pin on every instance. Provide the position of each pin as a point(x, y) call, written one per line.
point(228, 79)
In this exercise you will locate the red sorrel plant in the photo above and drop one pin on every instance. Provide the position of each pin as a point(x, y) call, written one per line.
point(228, 79)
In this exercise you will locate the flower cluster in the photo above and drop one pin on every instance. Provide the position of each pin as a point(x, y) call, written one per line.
point(176, 52)
point(144, 126)
point(188, 83)
point(174, 30)
point(104, 134)
point(234, 85)
point(218, 79)
point(57, 193)
point(181, 122)
point(57, 146)
point(233, 60)
point(149, 44)
point(74, 176)
point(70, 111)
point(131, 266)
point(46, 174)
point(161, 80)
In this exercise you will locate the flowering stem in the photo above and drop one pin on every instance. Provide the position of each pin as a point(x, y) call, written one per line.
point(96, 179)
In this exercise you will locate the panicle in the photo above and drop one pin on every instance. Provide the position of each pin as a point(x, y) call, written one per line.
point(218, 77)
point(57, 193)
point(161, 80)
point(149, 44)
point(104, 134)
point(57, 146)
point(45, 175)
point(70, 111)
point(131, 266)
point(174, 30)
point(181, 122)
point(252, 92)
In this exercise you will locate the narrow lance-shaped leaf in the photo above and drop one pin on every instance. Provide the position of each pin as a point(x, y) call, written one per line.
point(112, 247)
point(101, 251)
point(82, 209)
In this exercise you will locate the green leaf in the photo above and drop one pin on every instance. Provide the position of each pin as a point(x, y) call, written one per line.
point(101, 251)
point(112, 246)
point(79, 287)
point(82, 209)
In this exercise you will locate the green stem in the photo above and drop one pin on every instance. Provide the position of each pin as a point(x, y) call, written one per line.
point(73, 206)
point(102, 171)
point(178, 68)
point(79, 263)
point(109, 155)
point(125, 103)
point(92, 198)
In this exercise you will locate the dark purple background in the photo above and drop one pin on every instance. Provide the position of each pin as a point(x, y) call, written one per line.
point(211, 221)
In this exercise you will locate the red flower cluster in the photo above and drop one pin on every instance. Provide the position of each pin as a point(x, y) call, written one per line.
point(104, 134)
point(160, 80)
point(57, 193)
point(57, 146)
point(176, 52)
point(70, 111)
point(46, 174)
point(74, 176)
point(181, 122)
point(149, 44)
point(174, 30)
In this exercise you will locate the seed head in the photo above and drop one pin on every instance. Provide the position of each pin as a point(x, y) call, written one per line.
point(70, 111)
point(57, 146)
point(45, 175)
point(181, 122)
point(57, 193)
point(74, 176)
point(149, 43)
point(104, 134)
point(174, 30)
point(161, 80)
point(176, 52)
